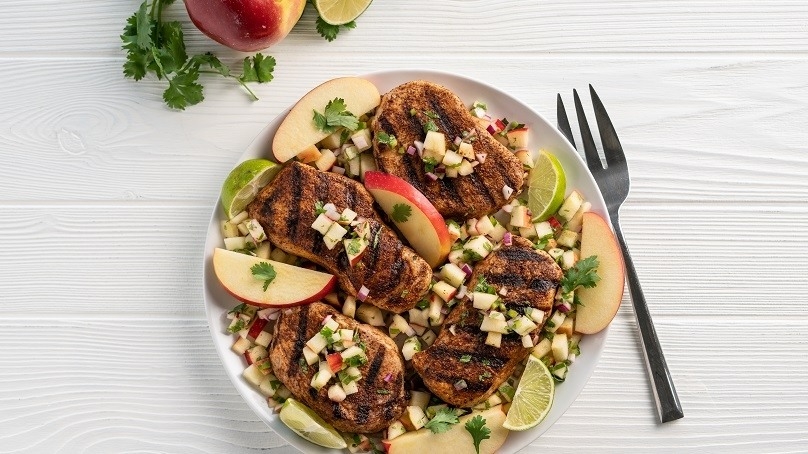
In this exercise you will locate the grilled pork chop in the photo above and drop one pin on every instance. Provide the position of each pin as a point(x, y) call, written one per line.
point(395, 275)
point(531, 278)
point(463, 197)
point(369, 409)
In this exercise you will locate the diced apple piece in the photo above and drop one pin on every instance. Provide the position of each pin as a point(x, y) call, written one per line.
point(292, 285)
point(566, 326)
point(400, 325)
point(484, 225)
point(351, 152)
point(322, 224)
point(263, 339)
point(411, 346)
point(298, 130)
point(453, 274)
point(326, 160)
point(452, 159)
point(493, 339)
point(229, 230)
point(429, 337)
point(333, 140)
point(456, 440)
point(235, 243)
point(253, 375)
point(241, 345)
point(571, 205)
point(435, 307)
point(361, 139)
point(321, 378)
point(414, 418)
point(483, 301)
point(555, 321)
point(396, 429)
point(466, 150)
point(494, 325)
point(435, 145)
point(560, 347)
point(367, 163)
point(517, 138)
point(525, 158)
point(567, 238)
point(263, 250)
point(599, 304)
point(498, 232)
point(419, 399)
point(370, 314)
point(479, 246)
point(544, 230)
point(577, 220)
point(568, 259)
point(269, 385)
point(466, 168)
point(542, 348)
point(519, 217)
point(355, 248)
point(415, 216)
point(445, 291)
point(349, 307)
point(309, 154)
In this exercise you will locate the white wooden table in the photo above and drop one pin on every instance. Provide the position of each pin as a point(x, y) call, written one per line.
point(105, 196)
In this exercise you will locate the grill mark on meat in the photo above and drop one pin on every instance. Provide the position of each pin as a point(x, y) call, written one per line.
point(449, 184)
point(393, 277)
point(414, 178)
point(373, 372)
point(474, 179)
point(520, 255)
point(294, 214)
point(336, 410)
point(362, 413)
point(300, 338)
point(502, 171)
point(322, 188)
point(445, 124)
point(375, 249)
point(478, 357)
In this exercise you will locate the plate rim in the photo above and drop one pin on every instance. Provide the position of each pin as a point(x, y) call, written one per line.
point(592, 344)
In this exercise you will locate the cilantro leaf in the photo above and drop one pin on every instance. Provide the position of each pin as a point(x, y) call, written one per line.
point(136, 65)
point(335, 115)
point(443, 420)
point(354, 246)
point(484, 287)
point(265, 272)
point(183, 91)
point(401, 212)
point(583, 274)
point(143, 25)
point(257, 69)
point(465, 359)
point(330, 32)
point(318, 208)
point(387, 139)
point(476, 427)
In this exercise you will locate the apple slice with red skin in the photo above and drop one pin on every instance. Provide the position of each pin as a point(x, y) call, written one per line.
point(456, 440)
point(298, 130)
point(414, 215)
point(599, 304)
point(292, 286)
point(245, 25)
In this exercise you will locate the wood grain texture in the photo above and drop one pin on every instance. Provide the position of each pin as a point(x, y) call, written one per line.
point(690, 134)
point(446, 27)
point(102, 386)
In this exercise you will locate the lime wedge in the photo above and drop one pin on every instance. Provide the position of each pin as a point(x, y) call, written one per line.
point(533, 398)
point(304, 422)
point(244, 182)
point(340, 12)
point(546, 187)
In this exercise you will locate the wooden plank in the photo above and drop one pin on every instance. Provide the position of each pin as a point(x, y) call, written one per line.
point(138, 258)
point(156, 384)
point(688, 132)
point(509, 26)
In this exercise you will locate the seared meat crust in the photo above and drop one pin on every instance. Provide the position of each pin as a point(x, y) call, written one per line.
point(395, 275)
point(464, 197)
point(366, 411)
point(531, 277)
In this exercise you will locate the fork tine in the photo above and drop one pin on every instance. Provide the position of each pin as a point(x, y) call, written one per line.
point(608, 136)
point(563, 121)
point(590, 150)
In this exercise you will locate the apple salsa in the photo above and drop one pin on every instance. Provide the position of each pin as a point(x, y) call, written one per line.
point(337, 353)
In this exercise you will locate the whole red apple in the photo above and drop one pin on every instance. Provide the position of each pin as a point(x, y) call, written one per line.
point(245, 25)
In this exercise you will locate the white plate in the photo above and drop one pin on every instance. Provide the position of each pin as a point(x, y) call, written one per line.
point(543, 136)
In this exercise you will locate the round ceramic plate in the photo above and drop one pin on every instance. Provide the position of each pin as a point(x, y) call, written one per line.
point(543, 136)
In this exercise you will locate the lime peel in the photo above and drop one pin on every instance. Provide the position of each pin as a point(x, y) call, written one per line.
point(303, 421)
point(243, 183)
point(547, 185)
point(341, 12)
point(533, 398)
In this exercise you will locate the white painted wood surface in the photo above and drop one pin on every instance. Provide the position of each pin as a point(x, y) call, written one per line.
point(105, 194)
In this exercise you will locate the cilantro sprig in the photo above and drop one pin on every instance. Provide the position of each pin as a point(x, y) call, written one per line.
point(479, 432)
point(158, 48)
point(583, 274)
point(336, 115)
point(401, 212)
point(264, 272)
point(443, 420)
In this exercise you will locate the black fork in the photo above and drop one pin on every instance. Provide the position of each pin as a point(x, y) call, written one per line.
point(614, 183)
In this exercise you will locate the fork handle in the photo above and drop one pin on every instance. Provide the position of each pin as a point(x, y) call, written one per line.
point(667, 402)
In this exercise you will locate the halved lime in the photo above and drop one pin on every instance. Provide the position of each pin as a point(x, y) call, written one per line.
point(340, 12)
point(533, 398)
point(304, 422)
point(244, 182)
point(546, 187)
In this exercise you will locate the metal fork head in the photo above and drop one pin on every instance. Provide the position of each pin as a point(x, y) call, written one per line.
point(613, 180)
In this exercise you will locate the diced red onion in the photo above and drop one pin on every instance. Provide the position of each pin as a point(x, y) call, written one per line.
point(440, 169)
point(487, 117)
point(507, 239)
point(363, 294)
point(419, 146)
point(461, 292)
point(491, 129)
point(564, 307)
point(503, 291)
point(507, 208)
point(475, 163)
point(338, 169)
point(467, 269)
point(326, 319)
point(389, 377)
point(457, 141)
point(444, 310)
point(481, 157)
point(460, 384)
point(330, 207)
point(452, 330)
point(507, 191)
point(431, 176)
point(411, 150)
point(337, 151)
point(274, 315)
point(333, 215)
point(436, 275)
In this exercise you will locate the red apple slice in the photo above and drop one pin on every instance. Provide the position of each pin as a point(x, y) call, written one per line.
point(456, 440)
point(414, 215)
point(599, 304)
point(298, 131)
point(292, 286)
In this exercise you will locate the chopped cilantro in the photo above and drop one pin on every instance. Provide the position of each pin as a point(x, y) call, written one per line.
point(476, 427)
point(465, 359)
point(303, 365)
point(485, 375)
point(236, 327)
point(265, 272)
point(382, 391)
point(430, 126)
point(432, 115)
point(401, 212)
point(238, 309)
point(354, 246)
point(335, 115)
point(330, 32)
point(387, 139)
point(443, 420)
point(471, 256)
point(429, 164)
point(423, 304)
point(583, 274)
point(318, 208)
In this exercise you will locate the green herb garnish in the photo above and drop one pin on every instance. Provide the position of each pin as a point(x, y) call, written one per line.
point(583, 274)
point(476, 427)
point(387, 139)
point(264, 272)
point(335, 115)
point(465, 359)
point(401, 212)
point(443, 420)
